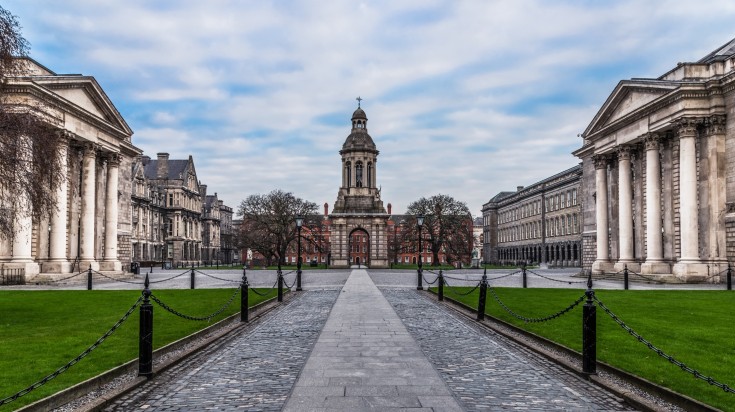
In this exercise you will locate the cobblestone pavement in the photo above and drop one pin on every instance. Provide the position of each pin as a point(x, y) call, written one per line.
point(488, 372)
point(253, 371)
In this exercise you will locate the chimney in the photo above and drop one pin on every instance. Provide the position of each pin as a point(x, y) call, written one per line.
point(145, 160)
point(326, 209)
point(519, 188)
point(162, 171)
point(202, 190)
point(390, 208)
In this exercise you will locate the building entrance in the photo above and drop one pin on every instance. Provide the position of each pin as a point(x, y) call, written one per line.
point(359, 247)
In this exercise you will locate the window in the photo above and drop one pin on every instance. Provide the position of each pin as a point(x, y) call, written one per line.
point(574, 197)
point(358, 174)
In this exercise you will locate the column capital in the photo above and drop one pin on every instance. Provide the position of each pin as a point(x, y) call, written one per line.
point(89, 149)
point(624, 152)
point(652, 141)
point(715, 124)
point(687, 126)
point(113, 159)
point(601, 161)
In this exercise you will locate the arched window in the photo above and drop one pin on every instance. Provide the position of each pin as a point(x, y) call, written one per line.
point(348, 169)
point(358, 174)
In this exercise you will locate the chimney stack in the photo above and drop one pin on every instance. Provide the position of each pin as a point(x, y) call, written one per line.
point(326, 209)
point(202, 191)
point(390, 208)
point(162, 171)
point(519, 188)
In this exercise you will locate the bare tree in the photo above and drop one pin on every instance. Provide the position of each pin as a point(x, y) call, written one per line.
point(445, 228)
point(31, 146)
point(268, 222)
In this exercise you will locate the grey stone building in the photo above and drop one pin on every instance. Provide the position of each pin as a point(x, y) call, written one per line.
point(358, 216)
point(539, 223)
point(658, 158)
point(169, 216)
point(91, 227)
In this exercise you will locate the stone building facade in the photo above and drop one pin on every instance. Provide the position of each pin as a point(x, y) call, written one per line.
point(358, 216)
point(540, 223)
point(93, 217)
point(659, 173)
point(174, 219)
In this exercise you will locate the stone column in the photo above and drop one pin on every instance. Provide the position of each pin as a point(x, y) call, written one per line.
point(689, 263)
point(58, 262)
point(625, 209)
point(111, 213)
point(601, 263)
point(89, 173)
point(716, 176)
point(23, 224)
point(654, 241)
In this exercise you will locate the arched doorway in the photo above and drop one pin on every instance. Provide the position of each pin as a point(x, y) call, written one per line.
point(359, 247)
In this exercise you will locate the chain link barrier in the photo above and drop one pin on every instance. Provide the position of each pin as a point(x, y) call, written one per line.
point(67, 278)
point(217, 278)
point(286, 283)
point(196, 318)
point(458, 293)
point(535, 320)
point(661, 353)
point(75, 360)
point(267, 292)
point(488, 279)
point(436, 279)
point(569, 282)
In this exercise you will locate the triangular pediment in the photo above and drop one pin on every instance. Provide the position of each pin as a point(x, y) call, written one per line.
point(85, 92)
point(628, 97)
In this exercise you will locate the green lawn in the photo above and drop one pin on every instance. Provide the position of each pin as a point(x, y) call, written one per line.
point(696, 327)
point(42, 330)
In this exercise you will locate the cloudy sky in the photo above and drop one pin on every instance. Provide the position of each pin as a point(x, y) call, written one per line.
point(465, 98)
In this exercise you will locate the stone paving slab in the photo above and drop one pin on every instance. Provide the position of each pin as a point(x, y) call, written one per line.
point(366, 360)
point(249, 371)
point(488, 372)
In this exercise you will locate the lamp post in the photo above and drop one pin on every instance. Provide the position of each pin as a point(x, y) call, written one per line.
point(420, 223)
point(299, 222)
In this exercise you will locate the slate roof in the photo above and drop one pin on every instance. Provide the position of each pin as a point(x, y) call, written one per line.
point(176, 169)
point(722, 53)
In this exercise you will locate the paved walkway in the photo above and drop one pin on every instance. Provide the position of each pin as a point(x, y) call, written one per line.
point(365, 359)
point(360, 349)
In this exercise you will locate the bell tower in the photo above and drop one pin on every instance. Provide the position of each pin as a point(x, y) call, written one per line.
point(358, 213)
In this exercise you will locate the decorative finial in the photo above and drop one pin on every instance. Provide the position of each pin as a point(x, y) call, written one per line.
point(359, 99)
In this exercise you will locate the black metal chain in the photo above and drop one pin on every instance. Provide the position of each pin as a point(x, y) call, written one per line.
point(118, 280)
point(556, 280)
point(197, 318)
point(535, 320)
point(171, 278)
point(75, 360)
point(218, 278)
point(436, 279)
point(261, 294)
point(66, 278)
point(461, 294)
point(661, 353)
point(287, 285)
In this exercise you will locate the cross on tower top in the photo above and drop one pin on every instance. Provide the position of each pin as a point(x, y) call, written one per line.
point(359, 99)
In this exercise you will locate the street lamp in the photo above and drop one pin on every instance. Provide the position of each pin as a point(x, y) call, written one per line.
point(420, 223)
point(299, 222)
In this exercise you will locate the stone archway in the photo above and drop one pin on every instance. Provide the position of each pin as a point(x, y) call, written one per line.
point(359, 247)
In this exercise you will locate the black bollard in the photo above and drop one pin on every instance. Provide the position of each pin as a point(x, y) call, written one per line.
point(145, 337)
point(625, 277)
point(151, 271)
point(483, 296)
point(441, 285)
point(729, 276)
point(89, 277)
point(192, 276)
point(280, 286)
point(589, 332)
point(244, 298)
point(525, 279)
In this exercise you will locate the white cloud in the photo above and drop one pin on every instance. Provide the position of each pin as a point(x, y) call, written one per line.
point(467, 98)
